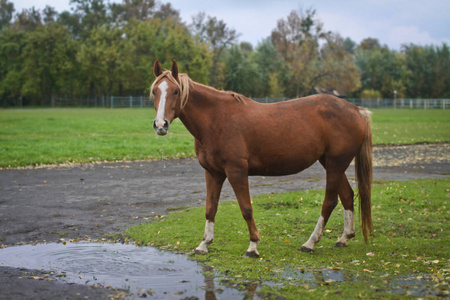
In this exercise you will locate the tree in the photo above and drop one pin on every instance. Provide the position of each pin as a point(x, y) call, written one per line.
point(12, 44)
point(369, 44)
point(340, 70)
point(382, 70)
point(88, 14)
point(241, 72)
point(6, 13)
point(428, 71)
point(218, 36)
point(105, 61)
point(272, 70)
point(48, 57)
point(28, 20)
point(142, 10)
point(50, 15)
point(166, 40)
point(297, 39)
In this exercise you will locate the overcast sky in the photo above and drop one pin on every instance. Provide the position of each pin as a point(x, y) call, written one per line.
point(392, 22)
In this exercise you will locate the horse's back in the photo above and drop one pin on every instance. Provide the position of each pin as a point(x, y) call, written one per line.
point(288, 137)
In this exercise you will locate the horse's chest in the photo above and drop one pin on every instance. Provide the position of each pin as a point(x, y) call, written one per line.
point(209, 157)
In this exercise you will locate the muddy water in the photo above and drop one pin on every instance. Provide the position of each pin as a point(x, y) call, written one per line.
point(139, 270)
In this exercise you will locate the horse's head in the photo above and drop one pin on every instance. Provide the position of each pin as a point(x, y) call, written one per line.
point(166, 94)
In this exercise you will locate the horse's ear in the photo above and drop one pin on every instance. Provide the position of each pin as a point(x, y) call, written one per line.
point(174, 70)
point(157, 70)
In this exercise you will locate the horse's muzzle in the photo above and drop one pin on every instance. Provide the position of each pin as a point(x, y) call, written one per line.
point(161, 127)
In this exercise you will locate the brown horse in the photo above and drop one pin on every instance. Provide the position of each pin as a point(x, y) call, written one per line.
point(236, 137)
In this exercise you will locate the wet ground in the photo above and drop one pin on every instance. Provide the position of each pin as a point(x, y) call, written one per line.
point(91, 201)
point(141, 271)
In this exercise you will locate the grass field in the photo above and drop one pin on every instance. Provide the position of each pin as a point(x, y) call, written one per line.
point(58, 136)
point(408, 255)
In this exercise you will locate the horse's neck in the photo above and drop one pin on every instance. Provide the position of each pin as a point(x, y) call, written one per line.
point(201, 108)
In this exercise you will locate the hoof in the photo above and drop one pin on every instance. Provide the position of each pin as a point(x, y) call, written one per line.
point(339, 244)
point(251, 254)
point(200, 252)
point(306, 249)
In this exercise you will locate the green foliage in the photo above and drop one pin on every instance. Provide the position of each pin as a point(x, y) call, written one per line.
point(370, 94)
point(382, 70)
point(99, 49)
point(411, 225)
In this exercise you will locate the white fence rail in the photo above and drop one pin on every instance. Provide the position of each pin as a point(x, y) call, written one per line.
point(383, 103)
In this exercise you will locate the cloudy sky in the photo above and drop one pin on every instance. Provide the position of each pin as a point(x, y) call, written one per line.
point(392, 22)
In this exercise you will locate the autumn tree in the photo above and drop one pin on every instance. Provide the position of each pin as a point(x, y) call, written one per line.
point(297, 39)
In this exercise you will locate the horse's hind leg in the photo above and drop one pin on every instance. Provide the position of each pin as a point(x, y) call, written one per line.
point(346, 195)
point(329, 203)
point(214, 185)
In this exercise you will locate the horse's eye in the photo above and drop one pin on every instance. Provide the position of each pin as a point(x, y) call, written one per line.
point(175, 92)
point(153, 92)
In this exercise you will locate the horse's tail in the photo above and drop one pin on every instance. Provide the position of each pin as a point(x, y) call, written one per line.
point(363, 170)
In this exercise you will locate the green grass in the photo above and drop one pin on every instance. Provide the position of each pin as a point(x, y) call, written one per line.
point(57, 136)
point(411, 221)
point(410, 126)
point(34, 137)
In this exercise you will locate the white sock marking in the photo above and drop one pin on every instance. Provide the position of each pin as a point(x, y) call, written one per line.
point(316, 235)
point(252, 247)
point(162, 104)
point(349, 227)
point(208, 237)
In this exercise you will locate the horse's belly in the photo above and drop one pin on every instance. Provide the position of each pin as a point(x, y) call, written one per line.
point(279, 167)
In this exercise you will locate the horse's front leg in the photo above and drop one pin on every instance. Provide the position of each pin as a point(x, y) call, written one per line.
point(238, 178)
point(214, 183)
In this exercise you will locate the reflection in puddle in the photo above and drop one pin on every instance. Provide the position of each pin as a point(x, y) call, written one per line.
point(137, 269)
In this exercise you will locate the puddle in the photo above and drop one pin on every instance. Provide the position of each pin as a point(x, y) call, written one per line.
point(320, 276)
point(136, 269)
point(164, 275)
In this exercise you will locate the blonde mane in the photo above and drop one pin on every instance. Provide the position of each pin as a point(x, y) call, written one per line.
point(185, 85)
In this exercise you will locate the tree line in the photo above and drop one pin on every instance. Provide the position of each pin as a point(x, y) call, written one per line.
point(98, 49)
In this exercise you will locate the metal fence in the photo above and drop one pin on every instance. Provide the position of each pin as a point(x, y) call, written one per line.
point(130, 101)
point(383, 103)
point(144, 101)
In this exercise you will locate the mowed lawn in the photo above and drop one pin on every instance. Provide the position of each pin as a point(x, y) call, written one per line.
point(31, 137)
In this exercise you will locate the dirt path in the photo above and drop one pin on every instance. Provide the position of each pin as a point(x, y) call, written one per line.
point(90, 201)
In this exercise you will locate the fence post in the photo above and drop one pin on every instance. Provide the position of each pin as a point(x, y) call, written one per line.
point(140, 98)
point(112, 102)
point(131, 101)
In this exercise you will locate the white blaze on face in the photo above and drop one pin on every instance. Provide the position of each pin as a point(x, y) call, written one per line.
point(162, 104)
